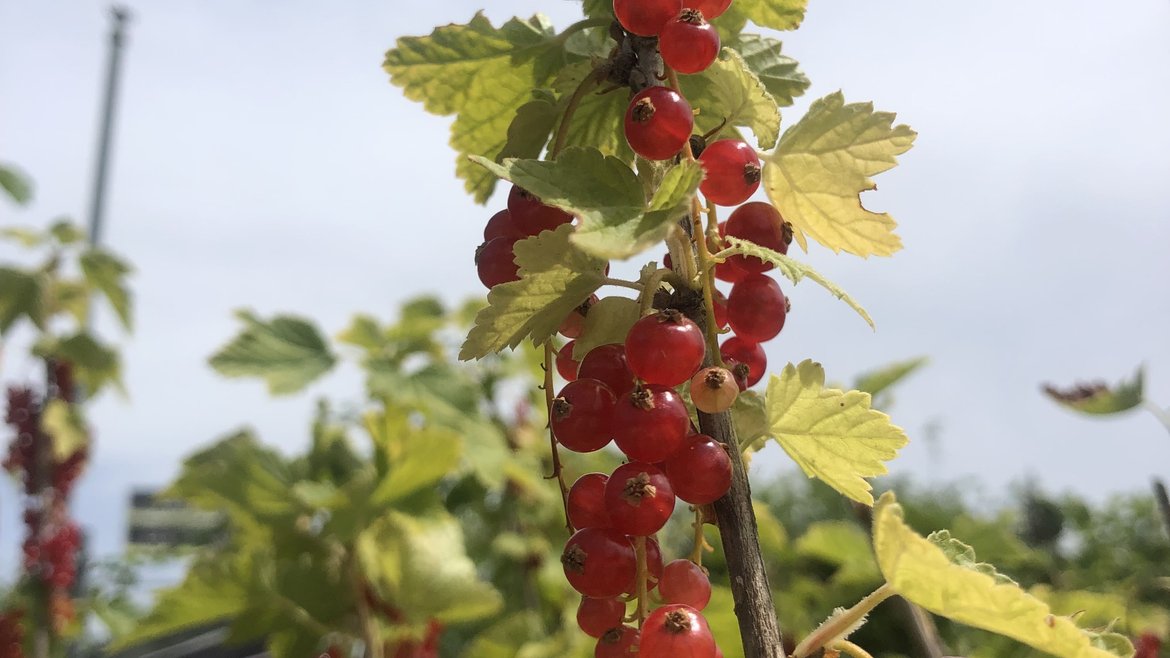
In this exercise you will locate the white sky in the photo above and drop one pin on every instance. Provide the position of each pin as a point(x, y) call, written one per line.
point(264, 160)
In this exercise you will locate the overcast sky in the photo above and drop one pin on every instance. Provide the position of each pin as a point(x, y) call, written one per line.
point(263, 160)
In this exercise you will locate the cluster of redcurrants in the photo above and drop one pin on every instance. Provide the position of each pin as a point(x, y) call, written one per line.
point(12, 634)
point(524, 217)
point(52, 538)
point(687, 42)
point(625, 393)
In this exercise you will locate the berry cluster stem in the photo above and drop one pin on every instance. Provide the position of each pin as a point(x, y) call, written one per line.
point(849, 648)
point(641, 588)
point(700, 540)
point(558, 469)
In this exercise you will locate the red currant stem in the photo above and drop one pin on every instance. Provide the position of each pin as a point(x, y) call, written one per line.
point(633, 285)
point(552, 439)
point(640, 579)
point(700, 541)
point(592, 80)
point(841, 622)
point(646, 299)
point(847, 647)
point(581, 26)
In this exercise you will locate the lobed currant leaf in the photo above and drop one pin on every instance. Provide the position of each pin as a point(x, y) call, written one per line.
point(480, 73)
point(832, 435)
point(555, 278)
point(729, 90)
point(794, 270)
point(107, 273)
point(940, 574)
point(773, 14)
point(20, 296)
point(822, 165)
point(530, 128)
point(597, 122)
point(605, 194)
point(608, 321)
point(750, 418)
point(287, 352)
point(780, 74)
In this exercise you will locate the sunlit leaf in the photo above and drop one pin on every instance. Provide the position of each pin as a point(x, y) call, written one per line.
point(286, 352)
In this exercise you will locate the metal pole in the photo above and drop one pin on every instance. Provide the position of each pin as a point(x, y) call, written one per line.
point(121, 16)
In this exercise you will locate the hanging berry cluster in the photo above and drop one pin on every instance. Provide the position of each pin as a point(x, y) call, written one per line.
point(633, 392)
point(52, 538)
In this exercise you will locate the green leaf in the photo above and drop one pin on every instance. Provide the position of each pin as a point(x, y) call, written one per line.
point(480, 73)
point(942, 576)
point(555, 277)
point(530, 128)
point(70, 296)
point(877, 381)
point(780, 74)
point(65, 424)
point(425, 457)
point(94, 364)
point(608, 321)
point(615, 221)
point(26, 237)
point(822, 165)
point(832, 435)
point(364, 332)
point(66, 232)
point(107, 273)
point(20, 296)
point(750, 418)
point(844, 545)
point(15, 184)
point(598, 120)
point(774, 14)
point(419, 566)
point(794, 270)
point(729, 91)
point(286, 352)
point(1098, 398)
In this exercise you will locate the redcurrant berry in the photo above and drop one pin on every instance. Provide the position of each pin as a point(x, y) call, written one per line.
point(713, 390)
point(719, 307)
point(685, 582)
point(586, 502)
point(658, 123)
point(733, 172)
point(599, 562)
point(748, 353)
point(495, 262)
point(502, 226)
point(531, 216)
point(596, 616)
point(700, 472)
point(582, 415)
point(566, 366)
point(645, 17)
point(756, 308)
point(650, 424)
point(607, 363)
point(688, 43)
point(762, 224)
point(620, 642)
point(665, 348)
point(639, 499)
point(676, 630)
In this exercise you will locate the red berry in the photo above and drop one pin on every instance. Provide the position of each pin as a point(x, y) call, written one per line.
point(621, 642)
point(599, 562)
point(733, 172)
point(531, 216)
point(719, 300)
point(586, 502)
point(737, 370)
point(495, 262)
point(607, 363)
point(700, 473)
point(645, 17)
point(582, 415)
point(756, 308)
point(502, 226)
point(728, 270)
point(713, 390)
point(676, 631)
point(748, 353)
point(712, 9)
point(762, 224)
point(688, 43)
point(685, 582)
point(639, 499)
point(658, 123)
point(650, 424)
point(566, 366)
point(665, 348)
point(596, 616)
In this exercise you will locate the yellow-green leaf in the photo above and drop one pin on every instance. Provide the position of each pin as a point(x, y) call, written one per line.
point(877, 381)
point(832, 435)
point(65, 424)
point(107, 273)
point(943, 577)
point(15, 184)
point(20, 295)
point(795, 271)
point(780, 74)
point(287, 352)
point(822, 165)
point(426, 457)
point(728, 91)
point(555, 278)
point(608, 321)
point(774, 14)
point(480, 73)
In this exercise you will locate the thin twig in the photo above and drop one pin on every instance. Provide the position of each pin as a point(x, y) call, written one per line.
point(552, 439)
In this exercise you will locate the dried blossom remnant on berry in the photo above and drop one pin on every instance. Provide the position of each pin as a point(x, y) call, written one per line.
point(677, 622)
point(670, 316)
point(751, 176)
point(573, 558)
point(643, 110)
point(692, 16)
point(716, 378)
point(642, 399)
point(637, 488)
point(561, 408)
